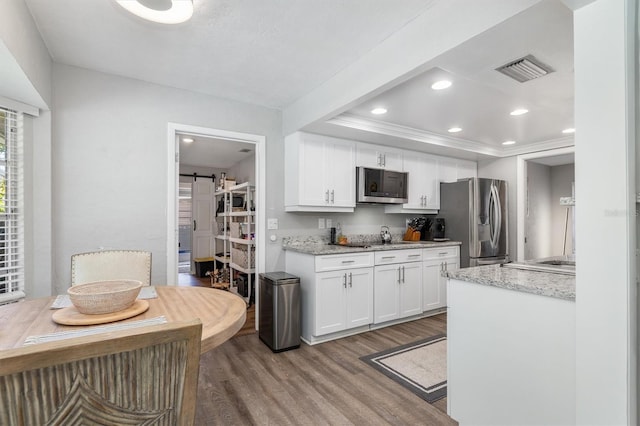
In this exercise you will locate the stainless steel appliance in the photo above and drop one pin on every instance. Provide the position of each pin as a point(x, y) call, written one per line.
point(438, 232)
point(279, 318)
point(380, 186)
point(476, 211)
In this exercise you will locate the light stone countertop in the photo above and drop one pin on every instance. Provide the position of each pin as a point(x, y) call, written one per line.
point(319, 246)
point(541, 283)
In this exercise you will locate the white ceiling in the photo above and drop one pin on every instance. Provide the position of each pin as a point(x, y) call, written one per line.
point(273, 52)
point(212, 152)
point(481, 98)
point(266, 52)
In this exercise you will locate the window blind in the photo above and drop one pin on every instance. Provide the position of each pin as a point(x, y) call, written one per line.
point(11, 207)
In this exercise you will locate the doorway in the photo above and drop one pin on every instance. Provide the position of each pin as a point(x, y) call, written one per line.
point(545, 204)
point(218, 141)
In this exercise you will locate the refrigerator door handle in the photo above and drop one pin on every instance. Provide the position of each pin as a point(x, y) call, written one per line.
point(494, 216)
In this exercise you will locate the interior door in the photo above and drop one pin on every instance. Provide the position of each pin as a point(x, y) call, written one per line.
point(202, 214)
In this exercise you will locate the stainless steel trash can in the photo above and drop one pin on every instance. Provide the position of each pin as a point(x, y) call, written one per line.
point(279, 317)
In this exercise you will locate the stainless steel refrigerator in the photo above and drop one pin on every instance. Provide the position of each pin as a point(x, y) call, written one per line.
point(476, 212)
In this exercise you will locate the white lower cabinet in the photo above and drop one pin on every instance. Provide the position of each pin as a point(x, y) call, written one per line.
point(344, 299)
point(397, 288)
point(436, 261)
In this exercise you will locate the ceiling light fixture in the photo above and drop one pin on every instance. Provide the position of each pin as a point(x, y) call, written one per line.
point(187, 140)
point(519, 111)
point(161, 11)
point(442, 84)
point(569, 130)
point(379, 111)
point(454, 130)
point(508, 142)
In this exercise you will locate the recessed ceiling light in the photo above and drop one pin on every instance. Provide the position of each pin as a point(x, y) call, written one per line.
point(378, 111)
point(454, 130)
point(519, 111)
point(508, 142)
point(569, 130)
point(442, 84)
point(161, 11)
point(187, 140)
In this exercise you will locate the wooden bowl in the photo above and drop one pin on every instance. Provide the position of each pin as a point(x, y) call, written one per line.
point(104, 297)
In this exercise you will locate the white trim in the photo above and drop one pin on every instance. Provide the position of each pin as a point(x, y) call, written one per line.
point(172, 194)
point(389, 129)
point(521, 191)
point(19, 106)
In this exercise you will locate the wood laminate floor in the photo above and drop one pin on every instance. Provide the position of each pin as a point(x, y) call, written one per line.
point(243, 383)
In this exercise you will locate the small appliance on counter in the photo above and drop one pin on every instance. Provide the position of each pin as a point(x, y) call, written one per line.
point(437, 231)
point(385, 235)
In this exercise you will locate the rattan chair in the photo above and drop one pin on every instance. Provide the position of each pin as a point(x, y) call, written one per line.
point(111, 265)
point(146, 375)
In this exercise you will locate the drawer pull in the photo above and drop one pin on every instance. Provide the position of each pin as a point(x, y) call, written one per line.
point(443, 253)
point(388, 257)
point(414, 255)
point(348, 261)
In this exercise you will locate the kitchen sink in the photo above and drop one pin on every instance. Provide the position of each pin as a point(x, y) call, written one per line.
point(557, 262)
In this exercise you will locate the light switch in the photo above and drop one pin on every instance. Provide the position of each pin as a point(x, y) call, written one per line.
point(329, 223)
point(272, 223)
point(321, 223)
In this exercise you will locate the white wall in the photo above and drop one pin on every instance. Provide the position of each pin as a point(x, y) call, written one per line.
point(505, 169)
point(562, 178)
point(110, 165)
point(606, 310)
point(538, 215)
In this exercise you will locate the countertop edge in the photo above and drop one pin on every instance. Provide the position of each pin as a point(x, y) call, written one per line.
point(533, 282)
point(325, 249)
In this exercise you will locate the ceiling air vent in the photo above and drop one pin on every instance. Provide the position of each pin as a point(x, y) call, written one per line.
point(525, 69)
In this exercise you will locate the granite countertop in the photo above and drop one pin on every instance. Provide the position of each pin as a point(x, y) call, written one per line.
point(541, 283)
point(318, 246)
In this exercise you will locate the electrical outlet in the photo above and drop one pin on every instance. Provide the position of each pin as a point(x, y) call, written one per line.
point(272, 223)
point(329, 223)
point(321, 223)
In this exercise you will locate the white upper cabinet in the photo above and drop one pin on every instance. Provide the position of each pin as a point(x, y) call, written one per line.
point(423, 184)
point(319, 173)
point(452, 169)
point(378, 157)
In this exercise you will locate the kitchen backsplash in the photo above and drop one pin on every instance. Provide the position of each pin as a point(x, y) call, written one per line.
point(306, 240)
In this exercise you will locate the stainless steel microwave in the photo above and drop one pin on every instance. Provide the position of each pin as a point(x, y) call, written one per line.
point(380, 186)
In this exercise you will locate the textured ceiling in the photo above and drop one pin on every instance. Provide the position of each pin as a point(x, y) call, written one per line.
point(265, 52)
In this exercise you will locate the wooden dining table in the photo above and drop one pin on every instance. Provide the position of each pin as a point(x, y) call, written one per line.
point(222, 314)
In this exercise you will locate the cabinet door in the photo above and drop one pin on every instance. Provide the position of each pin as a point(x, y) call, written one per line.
point(448, 169)
point(330, 302)
point(341, 174)
point(359, 297)
point(424, 187)
point(313, 190)
point(411, 289)
point(431, 183)
point(386, 293)
point(432, 285)
point(378, 157)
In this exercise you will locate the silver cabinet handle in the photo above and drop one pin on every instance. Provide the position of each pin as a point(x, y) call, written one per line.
point(414, 255)
point(441, 267)
point(344, 280)
point(384, 160)
point(399, 281)
point(444, 253)
point(326, 197)
point(388, 257)
point(350, 279)
point(446, 266)
point(194, 225)
point(379, 159)
point(348, 261)
point(403, 274)
point(332, 197)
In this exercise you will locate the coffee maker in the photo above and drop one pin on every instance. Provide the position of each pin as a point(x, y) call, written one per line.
point(437, 229)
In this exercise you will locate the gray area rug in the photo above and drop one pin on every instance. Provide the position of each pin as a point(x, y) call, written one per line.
point(420, 366)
